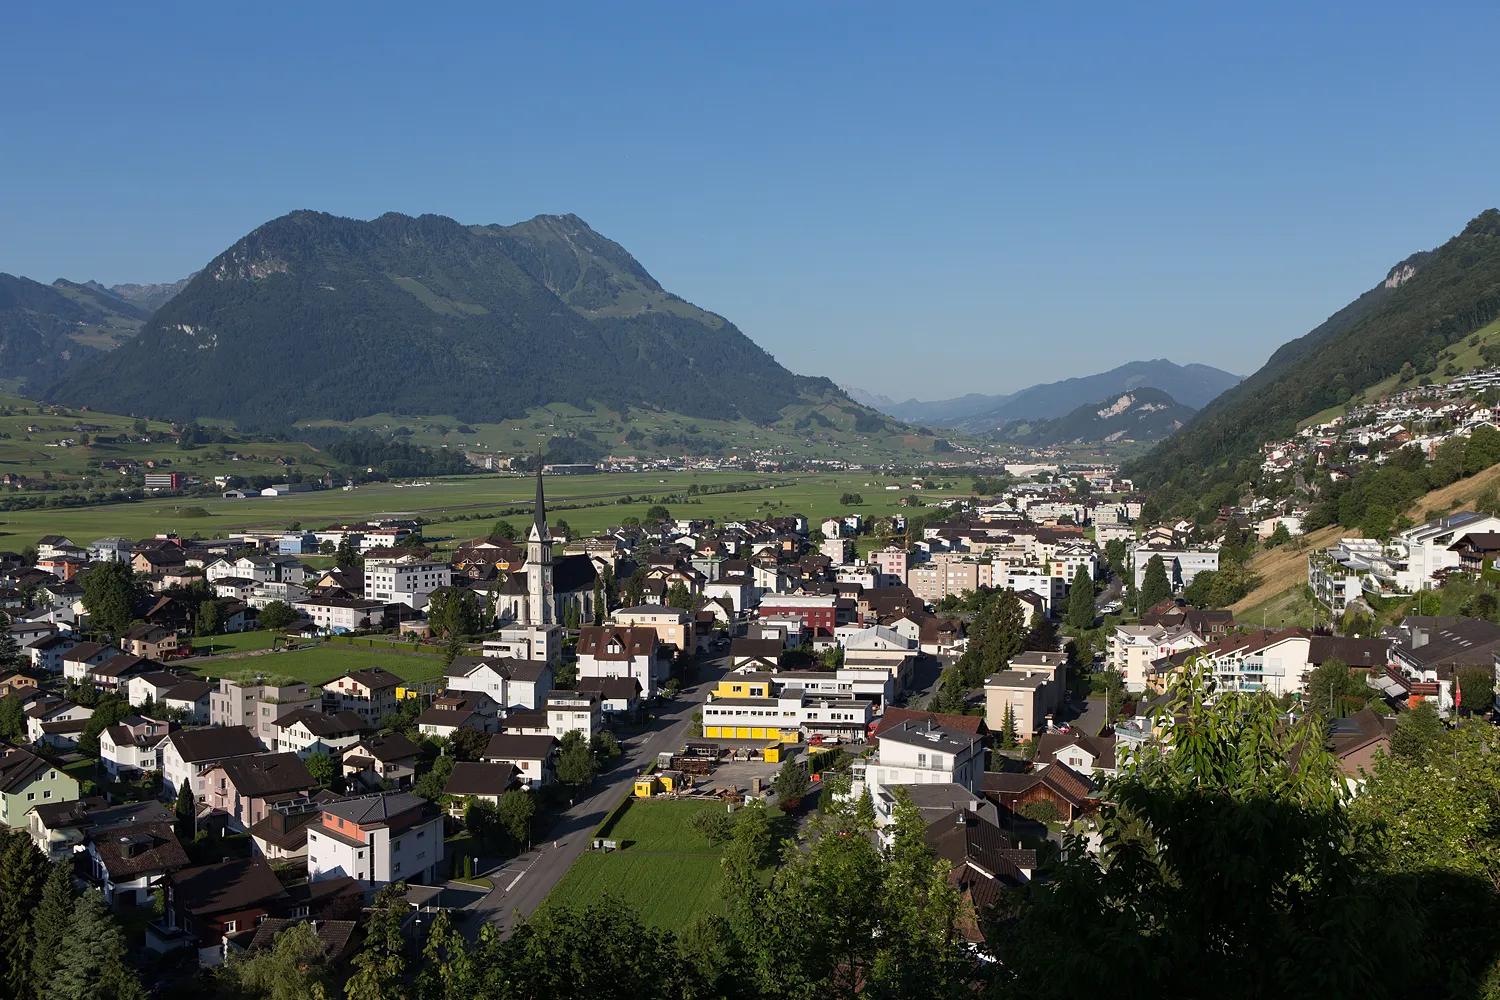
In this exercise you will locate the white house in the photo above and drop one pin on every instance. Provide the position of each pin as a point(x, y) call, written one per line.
point(343, 614)
point(190, 753)
point(306, 731)
point(133, 746)
point(404, 578)
point(618, 651)
point(570, 711)
point(508, 682)
point(921, 753)
point(376, 839)
point(531, 754)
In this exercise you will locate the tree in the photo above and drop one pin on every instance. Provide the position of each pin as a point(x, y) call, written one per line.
point(431, 784)
point(109, 594)
point(1156, 587)
point(10, 650)
point(635, 588)
point(997, 633)
point(453, 611)
point(575, 760)
point(1225, 869)
point(1114, 556)
point(851, 500)
point(678, 596)
point(92, 965)
point(482, 821)
point(1335, 691)
point(12, 719)
point(1280, 536)
point(347, 555)
point(108, 710)
point(1474, 690)
point(23, 878)
point(277, 615)
point(327, 547)
point(49, 923)
point(468, 744)
point(380, 966)
point(1008, 729)
point(791, 784)
point(186, 813)
point(504, 529)
point(1417, 731)
point(714, 825)
point(605, 746)
point(1081, 607)
point(208, 618)
point(658, 513)
point(514, 812)
point(293, 968)
point(322, 768)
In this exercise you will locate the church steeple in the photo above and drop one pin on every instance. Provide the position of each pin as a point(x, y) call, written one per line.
point(539, 528)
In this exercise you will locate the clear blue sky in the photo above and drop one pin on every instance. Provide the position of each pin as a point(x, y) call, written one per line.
point(920, 200)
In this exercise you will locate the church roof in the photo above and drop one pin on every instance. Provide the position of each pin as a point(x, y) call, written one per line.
point(539, 519)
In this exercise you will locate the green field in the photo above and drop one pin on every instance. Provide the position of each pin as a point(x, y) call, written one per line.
point(665, 870)
point(812, 494)
point(321, 663)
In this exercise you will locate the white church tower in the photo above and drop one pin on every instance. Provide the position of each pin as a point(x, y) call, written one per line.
point(541, 606)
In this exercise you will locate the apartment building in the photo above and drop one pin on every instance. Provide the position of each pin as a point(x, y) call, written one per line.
point(256, 703)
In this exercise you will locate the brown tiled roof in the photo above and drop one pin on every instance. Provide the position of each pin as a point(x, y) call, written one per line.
point(385, 747)
point(513, 746)
point(152, 847)
point(268, 775)
point(477, 778)
point(595, 640)
point(220, 743)
point(17, 766)
point(963, 723)
point(339, 937)
point(1101, 748)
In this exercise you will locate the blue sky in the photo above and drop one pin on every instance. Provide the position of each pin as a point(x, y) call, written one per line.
point(919, 199)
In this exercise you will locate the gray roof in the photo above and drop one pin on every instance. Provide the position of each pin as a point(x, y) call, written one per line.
point(926, 734)
point(374, 808)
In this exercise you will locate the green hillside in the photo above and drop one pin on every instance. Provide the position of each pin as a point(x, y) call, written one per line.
point(1427, 308)
point(313, 317)
point(49, 331)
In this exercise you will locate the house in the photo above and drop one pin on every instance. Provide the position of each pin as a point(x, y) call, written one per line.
point(920, 753)
point(527, 722)
point(151, 686)
point(404, 576)
point(205, 903)
point(1070, 793)
point(673, 626)
point(1079, 751)
point(1433, 650)
point(532, 756)
point(245, 788)
point(306, 731)
point(27, 780)
point(983, 864)
point(1033, 689)
point(129, 861)
point(150, 642)
point(114, 673)
point(191, 698)
point(508, 682)
point(962, 723)
point(619, 651)
point(879, 648)
point(371, 694)
point(133, 746)
point(77, 661)
point(452, 712)
point(257, 701)
point(755, 654)
point(340, 939)
point(337, 615)
point(479, 781)
point(574, 711)
point(281, 834)
point(60, 829)
point(190, 753)
point(1356, 740)
point(56, 723)
point(376, 839)
point(619, 697)
point(46, 653)
point(388, 757)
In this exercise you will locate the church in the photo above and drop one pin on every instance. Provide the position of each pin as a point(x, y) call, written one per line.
point(543, 590)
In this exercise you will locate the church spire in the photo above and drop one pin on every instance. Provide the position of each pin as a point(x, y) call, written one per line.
point(539, 518)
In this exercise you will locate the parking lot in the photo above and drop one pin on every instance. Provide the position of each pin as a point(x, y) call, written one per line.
point(738, 774)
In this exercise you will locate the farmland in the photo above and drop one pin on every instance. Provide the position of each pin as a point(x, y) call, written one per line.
point(665, 870)
point(447, 500)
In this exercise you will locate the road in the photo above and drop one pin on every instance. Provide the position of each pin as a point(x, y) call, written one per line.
point(523, 882)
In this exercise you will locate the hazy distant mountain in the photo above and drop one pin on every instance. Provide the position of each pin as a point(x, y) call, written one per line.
point(1192, 385)
point(312, 316)
point(149, 297)
point(1143, 414)
point(47, 331)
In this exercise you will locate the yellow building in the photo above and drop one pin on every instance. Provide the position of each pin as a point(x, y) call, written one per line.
point(744, 686)
point(746, 717)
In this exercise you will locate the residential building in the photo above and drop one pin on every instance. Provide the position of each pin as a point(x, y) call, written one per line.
point(1134, 648)
point(1433, 650)
point(388, 757)
point(77, 661)
point(404, 576)
point(1070, 793)
point(133, 746)
point(151, 642)
point(27, 780)
point(533, 756)
point(61, 829)
point(816, 611)
point(673, 626)
point(245, 788)
point(190, 753)
point(451, 712)
point(622, 651)
point(127, 862)
point(508, 682)
point(337, 615)
point(1033, 687)
point(376, 839)
point(920, 753)
point(1092, 755)
point(206, 903)
point(56, 723)
point(1182, 564)
point(371, 694)
point(574, 711)
point(256, 701)
point(306, 731)
point(478, 781)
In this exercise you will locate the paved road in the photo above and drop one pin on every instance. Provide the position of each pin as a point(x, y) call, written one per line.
point(523, 882)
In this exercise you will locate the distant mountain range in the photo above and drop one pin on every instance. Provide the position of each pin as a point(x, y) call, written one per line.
point(1419, 315)
point(1191, 385)
point(1143, 414)
point(312, 316)
point(149, 297)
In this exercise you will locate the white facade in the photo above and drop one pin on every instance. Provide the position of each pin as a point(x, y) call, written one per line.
point(405, 579)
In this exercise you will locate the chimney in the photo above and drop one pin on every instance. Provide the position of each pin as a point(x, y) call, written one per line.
point(1418, 637)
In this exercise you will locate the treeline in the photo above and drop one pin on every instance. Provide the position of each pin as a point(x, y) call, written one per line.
point(397, 458)
point(1375, 498)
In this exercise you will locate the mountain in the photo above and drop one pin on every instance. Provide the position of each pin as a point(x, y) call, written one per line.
point(47, 331)
point(149, 297)
point(311, 316)
point(1425, 305)
point(865, 397)
point(1192, 385)
point(1143, 414)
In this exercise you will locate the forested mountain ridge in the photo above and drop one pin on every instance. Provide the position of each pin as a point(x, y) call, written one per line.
point(1143, 414)
point(48, 330)
point(1426, 303)
point(311, 316)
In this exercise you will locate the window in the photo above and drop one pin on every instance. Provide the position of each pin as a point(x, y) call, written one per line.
point(921, 760)
point(230, 926)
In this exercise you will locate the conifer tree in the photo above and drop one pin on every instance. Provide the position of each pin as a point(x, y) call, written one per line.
point(49, 923)
point(1081, 607)
point(91, 964)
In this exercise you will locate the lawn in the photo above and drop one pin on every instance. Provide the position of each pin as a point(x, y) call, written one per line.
point(322, 663)
point(235, 642)
point(665, 870)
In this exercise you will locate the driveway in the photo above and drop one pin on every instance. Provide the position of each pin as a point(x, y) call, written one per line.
point(523, 882)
